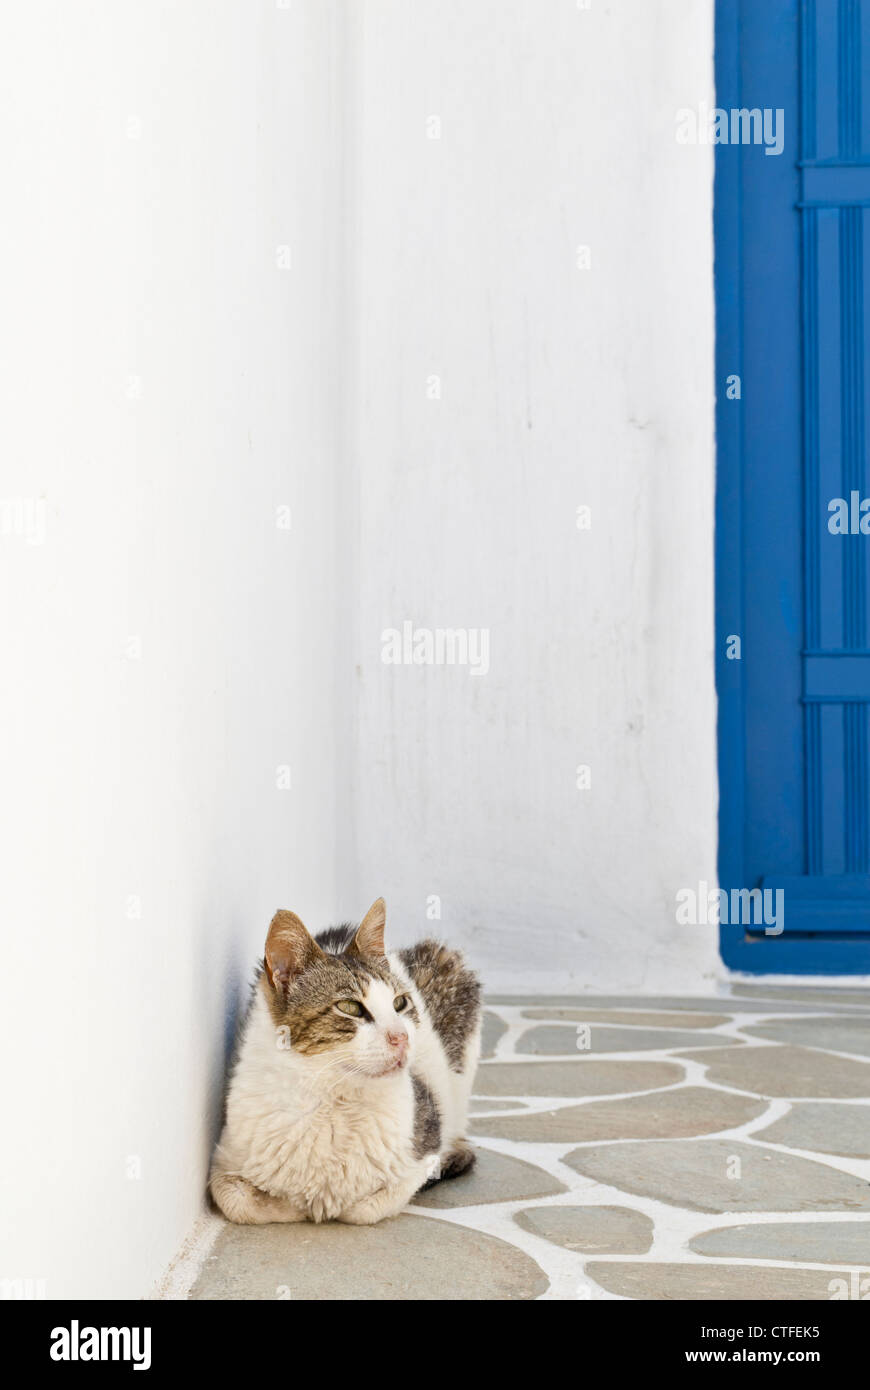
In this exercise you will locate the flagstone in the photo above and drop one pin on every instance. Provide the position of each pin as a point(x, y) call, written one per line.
point(594, 1230)
point(589, 1077)
point(411, 1257)
point(681, 1003)
point(815, 1242)
point(642, 1018)
point(483, 1107)
point(555, 1040)
point(688, 1110)
point(700, 1281)
point(494, 1178)
point(842, 1033)
point(805, 994)
point(695, 1174)
point(786, 1071)
point(827, 1128)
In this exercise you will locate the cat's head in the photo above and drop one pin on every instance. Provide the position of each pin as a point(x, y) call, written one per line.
point(336, 1000)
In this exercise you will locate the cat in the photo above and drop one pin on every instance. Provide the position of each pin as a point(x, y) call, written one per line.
point(351, 1088)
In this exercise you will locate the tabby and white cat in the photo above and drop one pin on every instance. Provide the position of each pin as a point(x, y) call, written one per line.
point(351, 1088)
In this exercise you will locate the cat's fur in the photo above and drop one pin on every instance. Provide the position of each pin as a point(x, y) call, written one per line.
point(337, 1116)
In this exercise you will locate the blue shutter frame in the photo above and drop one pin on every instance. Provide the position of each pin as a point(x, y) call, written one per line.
point(793, 318)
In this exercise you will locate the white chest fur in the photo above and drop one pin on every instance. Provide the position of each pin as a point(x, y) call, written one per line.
point(306, 1134)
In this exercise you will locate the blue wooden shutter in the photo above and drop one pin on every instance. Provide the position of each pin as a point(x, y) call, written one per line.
point(795, 718)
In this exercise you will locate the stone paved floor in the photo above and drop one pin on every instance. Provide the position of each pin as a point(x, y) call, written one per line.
point(637, 1148)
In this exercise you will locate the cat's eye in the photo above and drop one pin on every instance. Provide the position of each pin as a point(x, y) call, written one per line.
point(400, 1002)
point(349, 1006)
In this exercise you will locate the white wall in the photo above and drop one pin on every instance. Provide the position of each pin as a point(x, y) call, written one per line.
point(166, 387)
point(167, 647)
point(560, 387)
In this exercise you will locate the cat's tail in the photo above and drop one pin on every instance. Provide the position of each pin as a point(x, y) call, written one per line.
point(458, 1160)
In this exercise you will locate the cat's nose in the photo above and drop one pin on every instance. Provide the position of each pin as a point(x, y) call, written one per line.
point(398, 1041)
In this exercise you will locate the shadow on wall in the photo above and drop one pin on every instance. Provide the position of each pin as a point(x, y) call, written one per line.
point(236, 989)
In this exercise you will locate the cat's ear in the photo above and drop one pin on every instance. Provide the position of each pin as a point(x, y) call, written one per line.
point(369, 937)
point(289, 950)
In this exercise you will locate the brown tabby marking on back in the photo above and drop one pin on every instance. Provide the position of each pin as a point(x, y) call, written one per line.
point(451, 993)
point(427, 1120)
